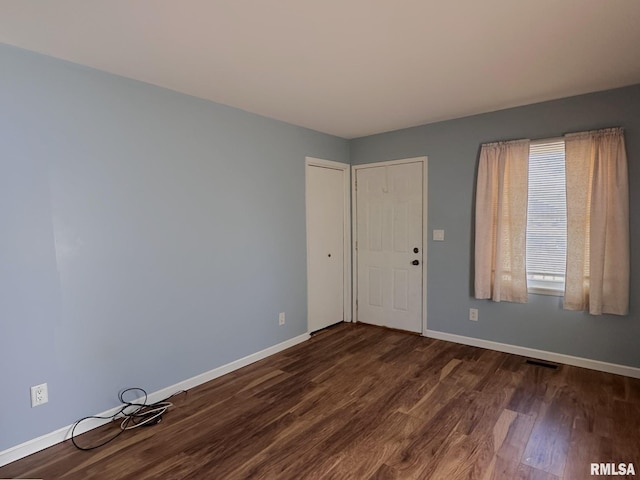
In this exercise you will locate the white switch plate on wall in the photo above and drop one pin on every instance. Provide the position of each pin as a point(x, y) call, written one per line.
point(438, 235)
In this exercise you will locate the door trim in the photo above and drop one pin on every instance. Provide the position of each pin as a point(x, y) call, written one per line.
point(354, 216)
point(346, 172)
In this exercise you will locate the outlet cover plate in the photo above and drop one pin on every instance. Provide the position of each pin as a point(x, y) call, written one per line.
point(39, 395)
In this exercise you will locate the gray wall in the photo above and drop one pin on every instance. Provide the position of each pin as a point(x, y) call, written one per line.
point(453, 148)
point(145, 237)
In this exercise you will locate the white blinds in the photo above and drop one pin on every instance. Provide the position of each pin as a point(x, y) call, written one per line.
point(547, 212)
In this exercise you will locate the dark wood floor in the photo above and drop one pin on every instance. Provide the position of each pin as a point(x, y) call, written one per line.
point(360, 402)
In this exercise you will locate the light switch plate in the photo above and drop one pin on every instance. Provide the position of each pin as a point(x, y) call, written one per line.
point(438, 235)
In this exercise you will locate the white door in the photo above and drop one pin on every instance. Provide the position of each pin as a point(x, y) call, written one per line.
point(389, 202)
point(325, 246)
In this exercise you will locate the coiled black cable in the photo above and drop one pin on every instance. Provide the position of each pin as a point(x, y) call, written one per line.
point(134, 414)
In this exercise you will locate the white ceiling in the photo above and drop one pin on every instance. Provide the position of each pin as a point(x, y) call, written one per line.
point(345, 67)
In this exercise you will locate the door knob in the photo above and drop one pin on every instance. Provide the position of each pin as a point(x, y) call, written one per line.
point(415, 262)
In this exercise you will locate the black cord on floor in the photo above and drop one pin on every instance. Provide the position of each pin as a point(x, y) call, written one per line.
point(133, 414)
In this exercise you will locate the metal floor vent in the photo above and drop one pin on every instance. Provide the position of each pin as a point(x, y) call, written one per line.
point(540, 363)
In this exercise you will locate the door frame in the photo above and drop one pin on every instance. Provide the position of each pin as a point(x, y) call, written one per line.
point(354, 215)
point(346, 173)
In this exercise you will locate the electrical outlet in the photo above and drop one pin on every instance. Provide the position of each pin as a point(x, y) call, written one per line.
point(473, 314)
point(281, 319)
point(39, 395)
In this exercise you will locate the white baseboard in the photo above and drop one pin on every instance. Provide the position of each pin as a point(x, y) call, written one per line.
point(32, 446)
point(627, 371)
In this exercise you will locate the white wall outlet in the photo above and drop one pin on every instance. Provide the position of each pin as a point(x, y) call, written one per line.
point(438, 235)
point(281, 319)
point(473, 314)
point(39, 395)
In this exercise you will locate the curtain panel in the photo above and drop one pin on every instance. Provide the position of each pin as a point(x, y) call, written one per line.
point(597, 277)
point(501, 221)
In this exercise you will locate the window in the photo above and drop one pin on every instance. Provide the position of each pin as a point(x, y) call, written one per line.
point(546, 218)
point(541, 230)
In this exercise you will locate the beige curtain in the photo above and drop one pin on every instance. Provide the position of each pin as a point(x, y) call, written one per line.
point(501, 222)
point(597, 278)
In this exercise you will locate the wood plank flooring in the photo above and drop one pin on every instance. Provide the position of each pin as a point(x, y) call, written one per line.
point(361, 402)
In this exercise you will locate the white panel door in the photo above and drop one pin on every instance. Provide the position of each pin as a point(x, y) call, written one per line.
point(325, 246)
point(389, 245)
